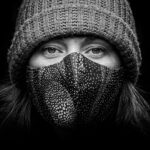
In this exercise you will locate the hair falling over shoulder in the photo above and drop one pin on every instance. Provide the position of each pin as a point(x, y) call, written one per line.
point(133, 109)
point(15, 106)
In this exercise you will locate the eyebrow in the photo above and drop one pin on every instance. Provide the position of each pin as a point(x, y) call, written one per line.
point(95, 40)
point(88, 39)
point(58, 41)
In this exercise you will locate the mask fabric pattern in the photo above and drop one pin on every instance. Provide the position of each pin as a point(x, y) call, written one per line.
point(74, 91)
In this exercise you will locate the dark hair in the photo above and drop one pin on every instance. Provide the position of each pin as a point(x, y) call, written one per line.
point(133, 109)
point(15, 104)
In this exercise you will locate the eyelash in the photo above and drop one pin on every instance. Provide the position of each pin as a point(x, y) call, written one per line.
point(101, 52)
point(97, 48)
point(96, 55)
point(46, 52)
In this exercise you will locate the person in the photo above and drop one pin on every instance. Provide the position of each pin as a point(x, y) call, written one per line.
point(73, 72)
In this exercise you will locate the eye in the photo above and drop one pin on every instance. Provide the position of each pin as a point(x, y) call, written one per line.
point(97, 52)
point(51, 52)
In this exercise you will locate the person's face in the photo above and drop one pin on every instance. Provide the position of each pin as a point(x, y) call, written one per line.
point(76, 91)
point(95, 49)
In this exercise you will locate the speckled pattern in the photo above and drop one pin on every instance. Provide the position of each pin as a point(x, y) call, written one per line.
point(42, 20)
point(75, 90)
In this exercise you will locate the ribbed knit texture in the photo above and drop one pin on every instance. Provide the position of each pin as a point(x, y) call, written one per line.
point(40, 20)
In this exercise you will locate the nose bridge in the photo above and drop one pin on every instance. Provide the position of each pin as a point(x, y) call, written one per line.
point(73, 48)
point(74, 45)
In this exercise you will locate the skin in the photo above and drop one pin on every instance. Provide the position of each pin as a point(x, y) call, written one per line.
point(95, 49)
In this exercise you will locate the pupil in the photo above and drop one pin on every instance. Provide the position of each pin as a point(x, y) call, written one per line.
point(51, 50)
point(96, 50)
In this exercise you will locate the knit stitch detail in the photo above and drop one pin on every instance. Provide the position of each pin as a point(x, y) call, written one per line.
point(42, 20)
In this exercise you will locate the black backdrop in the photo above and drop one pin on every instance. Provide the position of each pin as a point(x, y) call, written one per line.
point(8, 13)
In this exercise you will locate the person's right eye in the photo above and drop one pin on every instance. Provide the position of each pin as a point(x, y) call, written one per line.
point(51, 52)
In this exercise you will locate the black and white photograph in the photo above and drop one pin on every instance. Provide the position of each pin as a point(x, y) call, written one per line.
point(75, 74)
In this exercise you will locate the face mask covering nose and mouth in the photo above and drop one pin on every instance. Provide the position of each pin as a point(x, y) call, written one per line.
point(75, 91)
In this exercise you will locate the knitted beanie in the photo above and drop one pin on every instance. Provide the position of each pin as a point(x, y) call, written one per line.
point(41, 20)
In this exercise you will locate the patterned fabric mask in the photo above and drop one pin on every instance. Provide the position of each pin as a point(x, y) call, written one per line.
point(75, 91)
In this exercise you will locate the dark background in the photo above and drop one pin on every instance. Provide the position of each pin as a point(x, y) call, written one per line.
point(8, 13)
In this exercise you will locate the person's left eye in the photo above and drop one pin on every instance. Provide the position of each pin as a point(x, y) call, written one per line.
point(96, 52)
point(51, 52)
